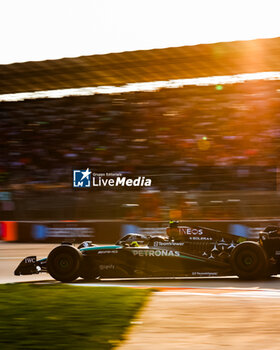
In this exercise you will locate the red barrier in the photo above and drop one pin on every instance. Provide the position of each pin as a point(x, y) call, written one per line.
point(9, 230)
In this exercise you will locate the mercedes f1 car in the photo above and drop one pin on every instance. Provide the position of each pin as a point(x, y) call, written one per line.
point(184, 251)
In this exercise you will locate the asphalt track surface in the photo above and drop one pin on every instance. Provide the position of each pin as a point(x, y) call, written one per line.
point(12, 253)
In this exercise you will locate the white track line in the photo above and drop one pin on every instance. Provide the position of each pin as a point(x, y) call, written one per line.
point(241, 293)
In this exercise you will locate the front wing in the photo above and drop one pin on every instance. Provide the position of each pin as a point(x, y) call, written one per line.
point(30, 265)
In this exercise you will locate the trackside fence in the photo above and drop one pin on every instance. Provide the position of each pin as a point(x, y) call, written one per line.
point(109, 231)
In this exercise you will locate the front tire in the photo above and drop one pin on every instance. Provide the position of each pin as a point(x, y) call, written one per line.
point(64, 263)
point(249, 261)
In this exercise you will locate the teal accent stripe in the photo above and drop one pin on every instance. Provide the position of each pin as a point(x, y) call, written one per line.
point(41, 260)
point(190, 257)
point(101, 248)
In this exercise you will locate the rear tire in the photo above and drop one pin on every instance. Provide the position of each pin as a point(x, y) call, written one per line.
point(64, 263)
point(249, 261)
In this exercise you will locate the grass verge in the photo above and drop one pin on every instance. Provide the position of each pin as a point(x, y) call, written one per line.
point(66, 317)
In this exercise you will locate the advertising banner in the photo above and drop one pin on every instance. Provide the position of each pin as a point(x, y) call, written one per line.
point(71, 231)
point(109, 231)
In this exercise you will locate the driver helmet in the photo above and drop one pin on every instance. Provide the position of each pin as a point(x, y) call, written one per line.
point(134, 244)
point(173, 224)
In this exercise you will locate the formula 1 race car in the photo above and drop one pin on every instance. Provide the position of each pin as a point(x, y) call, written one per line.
point(184, 251)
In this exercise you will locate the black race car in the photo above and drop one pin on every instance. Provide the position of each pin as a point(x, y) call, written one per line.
point(193, 251)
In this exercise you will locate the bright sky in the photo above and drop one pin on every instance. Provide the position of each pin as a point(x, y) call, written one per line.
point(50, 29)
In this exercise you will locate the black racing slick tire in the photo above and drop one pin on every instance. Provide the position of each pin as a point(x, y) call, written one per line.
point(249, 261)
point(64, 263)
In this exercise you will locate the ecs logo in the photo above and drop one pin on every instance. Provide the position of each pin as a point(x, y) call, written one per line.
point(81, 178)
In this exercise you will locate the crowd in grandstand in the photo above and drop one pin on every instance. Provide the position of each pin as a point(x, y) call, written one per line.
point(42, 140)
point(190, 127)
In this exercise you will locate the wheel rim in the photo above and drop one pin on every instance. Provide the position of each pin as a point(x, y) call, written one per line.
point(64, 263)
point(247, 261)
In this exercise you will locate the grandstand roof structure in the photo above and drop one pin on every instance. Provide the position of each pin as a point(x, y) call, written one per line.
point(116, 69)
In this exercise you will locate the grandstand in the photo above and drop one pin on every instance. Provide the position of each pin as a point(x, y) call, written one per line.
point(178, 136)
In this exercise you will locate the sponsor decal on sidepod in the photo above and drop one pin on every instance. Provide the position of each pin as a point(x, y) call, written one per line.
point(140, 252)
point(156, 244)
